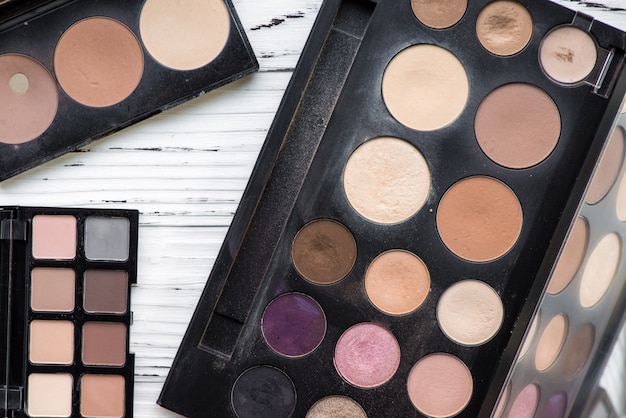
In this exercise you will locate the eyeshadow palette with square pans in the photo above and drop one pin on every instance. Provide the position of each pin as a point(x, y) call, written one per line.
point(74, 71)
point(65, 308)
point(405, 213)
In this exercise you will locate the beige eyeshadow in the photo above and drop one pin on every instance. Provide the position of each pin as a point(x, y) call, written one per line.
point(102, 396)
point(51, 342)
point(440, 385)
point(550, 342)
point(518, 125)
point(504, 27)
point(608, 168)
point(52, 289)
point(470, 312)
point(386, 180)
point(568, 54)
point(479, 219)
point(98, 62)
point(54, 237)
point(425, 87)
point(336, 406)
point(184, 35)
point(49, 395)
point(29, 99)
point(571, 257)
point(439, 14)
point(397, 282)
point(599, 270)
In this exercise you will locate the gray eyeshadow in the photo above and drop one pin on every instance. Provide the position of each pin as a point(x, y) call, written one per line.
point(107, 238)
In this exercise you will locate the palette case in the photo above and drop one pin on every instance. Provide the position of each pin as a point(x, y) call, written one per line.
point(72, 71)
point(65, 289)
point(300, 315)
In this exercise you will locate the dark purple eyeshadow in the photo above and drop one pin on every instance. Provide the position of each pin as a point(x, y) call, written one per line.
point(293, 324)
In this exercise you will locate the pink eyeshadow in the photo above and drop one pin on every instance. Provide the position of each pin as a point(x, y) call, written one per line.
point(54, 237)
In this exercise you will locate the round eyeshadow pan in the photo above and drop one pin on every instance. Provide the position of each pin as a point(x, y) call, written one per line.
point(30, 99)
point(425, 87)
point(293, 325)
point(184, 35)
point(479, 219)
point(568, 54)
point(526, 402)
point(397, 282)
point(571, 257)
point(470, 312)
point(439, 14)
point(551, 342)
point(102, 395)
point(608, 168)
point(324, 251)
point(556, 406)
point(98, 62)
point(517, 125)
point(577, 350)
point(263, 392)
point(336, 406)
point(504, 27)
point(440, 385)
point(367, 355)
point(599, 270)
point(386, 180)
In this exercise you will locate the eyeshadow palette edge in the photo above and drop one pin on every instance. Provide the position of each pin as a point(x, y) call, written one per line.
point(270, 205)
point(70, 360)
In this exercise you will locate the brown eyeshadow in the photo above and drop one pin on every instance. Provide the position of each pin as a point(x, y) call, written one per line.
point(577, 351)
point(439, 14)
point(479, 219)
point(608, 168)
point(518, 125)
point(571, 257)
point(106, 291)
point(104, 344)
point(324, 251)
point(504, 27)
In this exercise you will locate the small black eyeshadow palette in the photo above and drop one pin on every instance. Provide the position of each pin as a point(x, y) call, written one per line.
point(73, 71)
point(65, 305)
point(579, 318)
point(405, 213)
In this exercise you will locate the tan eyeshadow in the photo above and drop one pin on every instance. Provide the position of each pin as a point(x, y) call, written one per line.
point(52, 289)
point(551, 342)
point(504, 27)
point(439, 14)
point(102, 396)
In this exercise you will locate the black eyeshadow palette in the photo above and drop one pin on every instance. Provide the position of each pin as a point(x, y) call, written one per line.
point(74, 71)
point(65, 309)
point(405, 214)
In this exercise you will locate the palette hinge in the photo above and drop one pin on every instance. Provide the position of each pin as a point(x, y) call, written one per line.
point(13, 398)
point(12, 229)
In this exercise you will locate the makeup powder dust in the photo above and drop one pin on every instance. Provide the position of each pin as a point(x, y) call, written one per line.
point(518, 125)
point(184, 34)
point(397, 282)
point(479, 219)
point(570, 258)
point(439, 14)
point(568, 54)
point(98, 62)
point(504, 27)
point(29, 99)
point(425, 87)
point(387, 180)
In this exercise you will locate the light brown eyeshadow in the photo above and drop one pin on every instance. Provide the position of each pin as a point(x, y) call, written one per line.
point(29, 99)
point(52, 289)
point(387, 180)
point(51, 342)
point(98, 62)
point(577, 351)
point(323, 251)
point(102, 396)
point(551, 342)
point(504, 27)
point(518, 125)
point(439, 14)
point(397, 282)
point(184, 35)
point(571, 257)
point(479, 219)
point(425, 87)
point(568, 54)
point(104, 344)
point(608, 168)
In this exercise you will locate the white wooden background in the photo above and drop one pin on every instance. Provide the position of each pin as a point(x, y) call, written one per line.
point(185, 170)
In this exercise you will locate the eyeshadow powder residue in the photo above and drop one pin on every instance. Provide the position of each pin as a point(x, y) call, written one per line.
point(324, 251)
point(504, 27)
point(568, 54)
point(439, 14)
